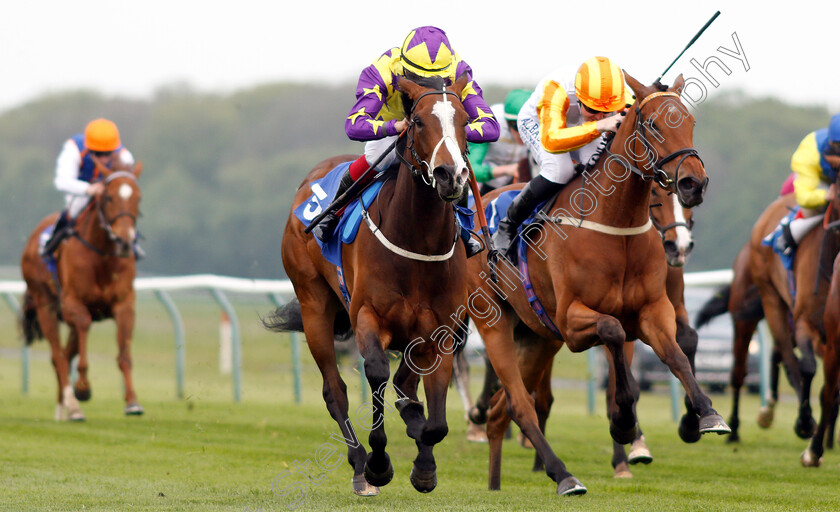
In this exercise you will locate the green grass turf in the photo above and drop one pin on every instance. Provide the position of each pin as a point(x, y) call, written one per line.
point(206, 453)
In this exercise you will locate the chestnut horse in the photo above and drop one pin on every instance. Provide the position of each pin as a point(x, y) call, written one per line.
point(601, 281)
point(95, 272)
point(812, 456)
point(673, 222)
point(399, 296)
point(795, 318)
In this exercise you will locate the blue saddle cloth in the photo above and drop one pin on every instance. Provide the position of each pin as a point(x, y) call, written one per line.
point(323, 193)
point(770, 240)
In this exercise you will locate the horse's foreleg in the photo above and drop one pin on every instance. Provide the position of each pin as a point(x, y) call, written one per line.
point(124, 318)
point(498, 339)
point(78, 318)
point(378, 468)
point(478, 414)
point(805, 336)
point(812, 456)
point(657, 328)
point(584, 328)
point(742, 335)
point(543, 400)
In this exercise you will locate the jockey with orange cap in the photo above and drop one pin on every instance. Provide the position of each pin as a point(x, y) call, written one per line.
point(76, 174)
point(562, 124)
point(379, 115)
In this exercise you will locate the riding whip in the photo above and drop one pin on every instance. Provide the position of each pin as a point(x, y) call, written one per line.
point(353, 190)
point(688, 46)
point(482, 222)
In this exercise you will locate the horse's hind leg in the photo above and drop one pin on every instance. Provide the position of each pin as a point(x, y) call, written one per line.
point(124, 318)
point(67, 406)
point(478, 414)
point(743, 332)
point(318, 329)
point(543, 399)
point(461, 374)
point(805, 334)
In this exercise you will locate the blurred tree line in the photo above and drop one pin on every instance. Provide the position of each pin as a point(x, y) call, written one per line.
point(221, 170)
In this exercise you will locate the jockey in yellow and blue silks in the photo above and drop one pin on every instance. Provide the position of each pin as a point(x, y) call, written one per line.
point(378, 115)
point(562, 124)
point(77, 177)
point(815, 164)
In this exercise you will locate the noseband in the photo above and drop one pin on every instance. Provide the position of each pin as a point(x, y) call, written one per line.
point(427, 175)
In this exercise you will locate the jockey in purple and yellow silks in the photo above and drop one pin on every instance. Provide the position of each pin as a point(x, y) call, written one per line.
point(76, 175)
point(378, 115)
point(815, 164)
point(562, 124)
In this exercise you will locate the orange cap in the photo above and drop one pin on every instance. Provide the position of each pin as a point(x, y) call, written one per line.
point(102, 135)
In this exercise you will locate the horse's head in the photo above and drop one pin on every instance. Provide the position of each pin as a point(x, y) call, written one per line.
point(437, 135)
point(119, 207)
point(674, 223)
point(662, 138)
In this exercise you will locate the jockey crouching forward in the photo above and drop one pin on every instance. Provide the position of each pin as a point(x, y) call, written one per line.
point(562, 124)
point(379, 115)
point(815, 164)
point(76, 175)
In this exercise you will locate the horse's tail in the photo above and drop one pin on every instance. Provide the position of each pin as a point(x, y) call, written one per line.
point(28, 319)
point(287, 318)
point(714, 307)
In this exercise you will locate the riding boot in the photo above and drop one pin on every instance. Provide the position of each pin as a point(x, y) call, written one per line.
point(785, 244)
point(472, 245)
point(535, 192)
point(324, 230)
point(62, 228)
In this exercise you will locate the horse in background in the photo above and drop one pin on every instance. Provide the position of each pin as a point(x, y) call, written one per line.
point(406, 278)
point(93, 281)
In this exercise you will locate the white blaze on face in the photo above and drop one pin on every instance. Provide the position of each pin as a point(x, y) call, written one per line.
point(445, 112)
point(683, 234)
point(125, 191)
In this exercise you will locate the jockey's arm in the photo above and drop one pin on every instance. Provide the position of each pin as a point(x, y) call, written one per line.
point(483, 126)
point(555, 136)
point(67, 170)
point(371, 96)
point(806, 164)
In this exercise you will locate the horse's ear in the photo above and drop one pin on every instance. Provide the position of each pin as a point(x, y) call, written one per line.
point(407, 86)
point(679, 83)
point(639, 90)
point(138, 168)
point(460, 83)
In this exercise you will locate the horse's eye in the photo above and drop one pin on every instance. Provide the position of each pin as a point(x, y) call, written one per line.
point(417, 121)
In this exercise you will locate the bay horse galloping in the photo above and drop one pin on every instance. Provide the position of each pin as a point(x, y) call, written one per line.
point(406, 280)
point(94, 280)
point(600, 281)
point(794, 302)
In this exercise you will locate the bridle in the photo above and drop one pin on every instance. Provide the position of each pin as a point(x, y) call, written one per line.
point(106, 222)
point(427, 175)
point(663, 229)
point(658, 175)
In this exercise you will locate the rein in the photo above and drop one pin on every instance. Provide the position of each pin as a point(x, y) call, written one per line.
point(658, 175)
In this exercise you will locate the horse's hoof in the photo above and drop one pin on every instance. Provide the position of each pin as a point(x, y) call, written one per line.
point(82, 395)
point(478, 416)
point(733, 437)
point(476, 433)
point(379, 479)
point(765, 415)
point(570, 486)
point(77, 416)
point(423, 481)
point(362, 488)
point(809, 459)
point(60, 412)
point(805, 428)
point(639, 452)
point(622, 471)
point(713, 423)
point(689, 429)
point(623, 436)
point(134, 409)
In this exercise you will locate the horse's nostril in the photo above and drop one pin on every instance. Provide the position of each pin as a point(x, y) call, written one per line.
point(690, 247)
point(670, 247)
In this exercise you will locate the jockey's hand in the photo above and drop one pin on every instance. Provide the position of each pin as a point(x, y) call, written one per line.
point(95, 189)
point(511, 170)
point(401, 125)
point(609, 124)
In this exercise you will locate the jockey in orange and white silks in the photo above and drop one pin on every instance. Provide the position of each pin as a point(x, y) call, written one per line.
point(562, 124)
point(815, 165)
point(76, 174)
point(378, 115)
